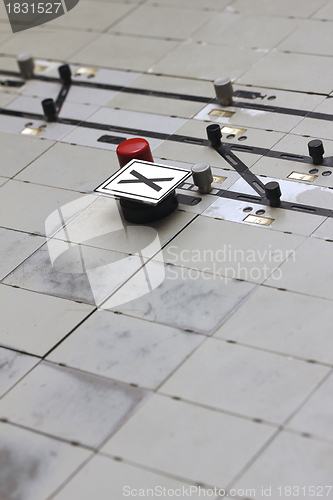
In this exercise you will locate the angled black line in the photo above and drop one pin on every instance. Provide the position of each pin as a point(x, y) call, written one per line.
point(62, 96)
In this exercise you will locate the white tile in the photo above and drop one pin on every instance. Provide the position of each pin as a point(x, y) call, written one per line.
point(86, 95)
point(6, 98)
point(68, 404)
point(318, 128)
point(195, 4)
point(52, 131)
point(189, 153)
point(71, 167)
point(244, 30)
point(102, 75)
point(126, 349)
point(190, 86)
point(222, 248)
point(27, 316)
point(249, 118)
point(186, 299)
point(50, 209)
point(33, 466)
point(78, 94)
point(75, 272)
point(101, 225)
point(140, 121)
point(251, 137)
point(316, 415)
point(124, 54)
point(26, 149)
point(89, 137)
point(192, 153)
point(147, 19)
point(71, 110)
point(280, 168)
point(285, 8)
point(3, 180)
point(105, 478)
point(309, 271)
point(41, 89)
point(291, 72)
point(156, 105)
point(291, 460)
point(325, 231)
point(311, 37)
point(227, 179)
point(13, 366)
point(326, 12)
point(16, 247)
point(294, 192)
point(199, 444)
point(282, 220)
point(290, 323)
point(86, 16)
point(46, 43)
point(194, 60)
point(267, 386)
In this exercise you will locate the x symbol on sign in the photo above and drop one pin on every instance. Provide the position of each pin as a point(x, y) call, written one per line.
point(144, 180)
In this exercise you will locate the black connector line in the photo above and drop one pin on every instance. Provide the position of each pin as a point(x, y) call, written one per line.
point(62, 96)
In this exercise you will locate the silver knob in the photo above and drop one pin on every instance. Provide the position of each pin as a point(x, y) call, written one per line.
point(202, 177)
point(224, 90)
point(26, 65)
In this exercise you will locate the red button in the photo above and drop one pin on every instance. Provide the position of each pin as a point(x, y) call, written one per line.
point(135, 148)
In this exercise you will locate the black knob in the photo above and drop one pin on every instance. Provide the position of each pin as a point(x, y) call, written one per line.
point(214, 134)
point(65, 73)
point(273, 193)
point(50, 110)
point(316, 151)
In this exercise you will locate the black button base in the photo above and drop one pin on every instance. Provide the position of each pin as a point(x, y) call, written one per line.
point(214, 134)
point(273, 193)
point(142, 213)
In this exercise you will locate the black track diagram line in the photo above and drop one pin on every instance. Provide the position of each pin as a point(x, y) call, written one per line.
point(184, 97)
point(285, 205)
point(328, 161)
point(226, 149)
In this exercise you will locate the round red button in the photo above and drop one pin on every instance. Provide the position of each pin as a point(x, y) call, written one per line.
point(135, 148)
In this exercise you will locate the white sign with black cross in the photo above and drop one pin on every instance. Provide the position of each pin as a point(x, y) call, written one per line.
point(144, 181)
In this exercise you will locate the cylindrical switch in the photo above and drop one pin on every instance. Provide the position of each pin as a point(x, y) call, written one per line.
point(50, 110)
point(273, 193)
point(26, 65)
point(136, 148)
point(214, 134)
point(65, 73)
point(316, 151)
point(202, 177)
point(224, 90)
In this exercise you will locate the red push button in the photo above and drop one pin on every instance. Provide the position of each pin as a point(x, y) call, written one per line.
point(131, 149)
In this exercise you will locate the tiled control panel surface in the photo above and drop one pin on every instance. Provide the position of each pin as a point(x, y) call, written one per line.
point(191, 356)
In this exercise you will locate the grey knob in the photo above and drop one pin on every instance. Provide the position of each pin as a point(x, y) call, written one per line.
point(224, 90)
point(202, 177)
point(26, 65)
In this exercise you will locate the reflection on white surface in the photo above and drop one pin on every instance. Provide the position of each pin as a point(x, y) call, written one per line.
point(83, 253)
